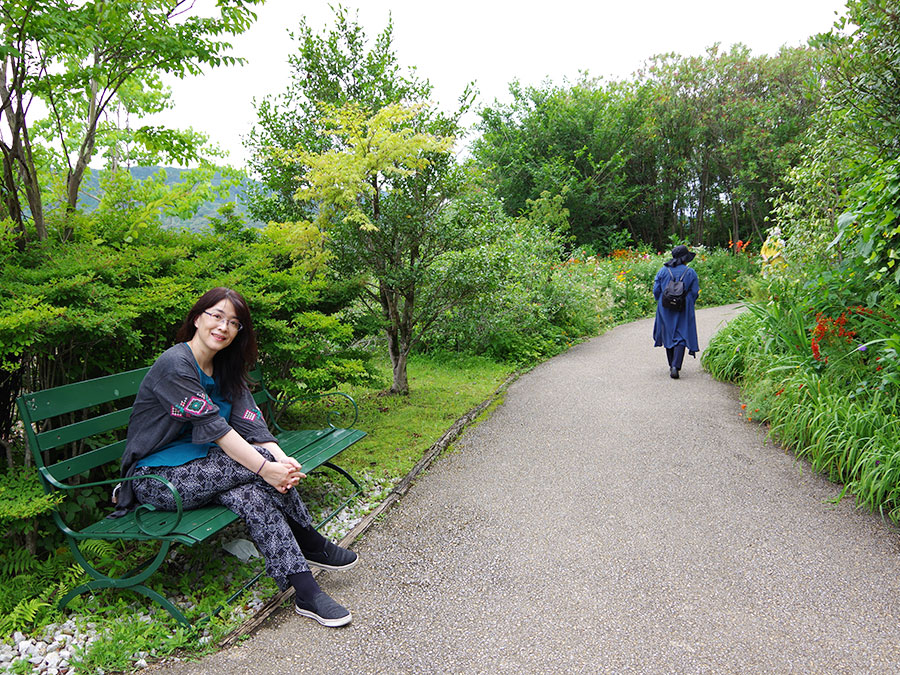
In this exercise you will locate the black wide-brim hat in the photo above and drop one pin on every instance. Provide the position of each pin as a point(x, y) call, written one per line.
point(681, 256)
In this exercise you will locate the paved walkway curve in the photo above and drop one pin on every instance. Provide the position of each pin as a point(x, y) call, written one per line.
point(594, 524)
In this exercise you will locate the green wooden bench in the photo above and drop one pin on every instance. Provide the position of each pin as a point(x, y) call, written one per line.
point(51, 433)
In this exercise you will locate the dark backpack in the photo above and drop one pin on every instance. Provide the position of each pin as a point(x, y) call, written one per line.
point(673, 293)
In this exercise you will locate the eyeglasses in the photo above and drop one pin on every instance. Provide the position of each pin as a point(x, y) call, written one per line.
point(218, 317)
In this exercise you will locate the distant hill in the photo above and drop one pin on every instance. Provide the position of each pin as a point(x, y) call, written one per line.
point(236, 194)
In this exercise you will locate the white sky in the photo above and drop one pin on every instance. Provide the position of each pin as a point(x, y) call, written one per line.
point(491, 42)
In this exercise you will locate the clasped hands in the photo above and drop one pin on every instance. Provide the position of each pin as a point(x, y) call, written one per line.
point(283, 474)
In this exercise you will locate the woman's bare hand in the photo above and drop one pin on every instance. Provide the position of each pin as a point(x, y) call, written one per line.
point(281, 475)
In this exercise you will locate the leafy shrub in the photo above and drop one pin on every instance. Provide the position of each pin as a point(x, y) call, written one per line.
point(824, 379)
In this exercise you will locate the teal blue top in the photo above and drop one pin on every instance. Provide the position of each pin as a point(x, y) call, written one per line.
point(182, 450)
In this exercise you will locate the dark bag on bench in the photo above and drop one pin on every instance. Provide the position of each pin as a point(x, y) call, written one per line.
point(673, 293)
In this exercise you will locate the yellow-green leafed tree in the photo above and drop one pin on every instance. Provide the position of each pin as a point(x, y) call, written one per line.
point(381, 193)
point(371, 154)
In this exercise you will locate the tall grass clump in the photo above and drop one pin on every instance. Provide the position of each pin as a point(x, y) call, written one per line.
point(823, 377)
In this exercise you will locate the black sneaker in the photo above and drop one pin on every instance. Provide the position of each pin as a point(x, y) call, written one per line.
point(324, 610)
point(332, 557)
point(673, 373)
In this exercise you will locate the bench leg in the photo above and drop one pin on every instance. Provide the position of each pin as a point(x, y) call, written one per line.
point(133, 582)
point(346, 502)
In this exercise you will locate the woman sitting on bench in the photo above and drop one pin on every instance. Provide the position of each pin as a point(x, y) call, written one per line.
point(195, 423)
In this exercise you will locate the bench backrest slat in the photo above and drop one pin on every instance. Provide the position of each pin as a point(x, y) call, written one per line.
point(71, 433)
point(39, 406)
point(87, 461)
point(68, 398)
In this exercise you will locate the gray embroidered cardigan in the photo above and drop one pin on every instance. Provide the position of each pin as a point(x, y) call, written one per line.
point(171, 396)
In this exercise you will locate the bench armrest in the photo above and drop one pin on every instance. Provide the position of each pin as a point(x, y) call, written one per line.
point(333, 415)
point(140, 510)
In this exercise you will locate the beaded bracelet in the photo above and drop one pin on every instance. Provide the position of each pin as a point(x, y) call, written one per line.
point(261, 466)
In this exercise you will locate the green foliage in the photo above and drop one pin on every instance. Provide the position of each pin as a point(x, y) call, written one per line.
point(726, 356)
point(24, 615)
point(525, 306)
point(574, 141)
point(871, 230)
point(824, 380)
point(117, 649)
point(333, 68)
point(92, 310)
point(373, 151)
point(88, 63)
point(22, 497)
point(31, 588)
point(862, 66)
point(693, 147)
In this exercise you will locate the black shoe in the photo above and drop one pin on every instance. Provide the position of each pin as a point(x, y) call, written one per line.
point(324, 610)
point(333, 557)
point(673, 373)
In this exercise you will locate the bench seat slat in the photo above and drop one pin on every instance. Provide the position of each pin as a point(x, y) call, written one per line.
point(195, 526)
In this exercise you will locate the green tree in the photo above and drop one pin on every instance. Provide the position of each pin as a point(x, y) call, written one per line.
point(735, 122)
point(381, 195)
point(333, 68)
point(82, 60)
point(862, 70)
point(855, 149)
point(574, 140)
point(691, 146)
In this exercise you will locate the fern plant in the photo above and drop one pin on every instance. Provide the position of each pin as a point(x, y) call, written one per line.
point(25, 614)
point(17, 561)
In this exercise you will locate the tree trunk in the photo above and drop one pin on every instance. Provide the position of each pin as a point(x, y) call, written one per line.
point(400, 384)
point(397, 347)
point(753, 221)
point(10, 386)
point(13, 210)
point(735, 231)
point(701, 206)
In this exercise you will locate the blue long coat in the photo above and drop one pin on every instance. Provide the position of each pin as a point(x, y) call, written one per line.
point(672, 327)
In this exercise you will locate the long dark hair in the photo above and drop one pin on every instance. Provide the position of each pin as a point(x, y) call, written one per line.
point(232, 364)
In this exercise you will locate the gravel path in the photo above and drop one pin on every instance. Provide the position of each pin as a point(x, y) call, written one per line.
point(607, 519)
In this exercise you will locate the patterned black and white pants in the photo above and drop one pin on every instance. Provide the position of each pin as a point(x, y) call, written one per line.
point(218, 479)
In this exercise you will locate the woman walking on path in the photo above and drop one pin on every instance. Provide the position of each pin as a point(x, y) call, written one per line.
point(195, 424)
point(676, 329)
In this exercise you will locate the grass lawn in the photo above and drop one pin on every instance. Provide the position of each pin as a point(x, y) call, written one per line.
point(402, 428)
